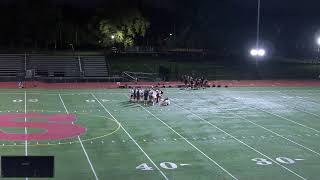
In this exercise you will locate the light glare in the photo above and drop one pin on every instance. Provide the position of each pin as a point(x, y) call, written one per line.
point(261, 52)
point(318, 41)
point(254, 52)
point(258, 52)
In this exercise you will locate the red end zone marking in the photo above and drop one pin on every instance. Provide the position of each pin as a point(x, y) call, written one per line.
point(57, 127)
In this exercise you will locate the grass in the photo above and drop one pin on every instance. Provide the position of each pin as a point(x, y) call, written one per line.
point(235, 133)
point(215, 68)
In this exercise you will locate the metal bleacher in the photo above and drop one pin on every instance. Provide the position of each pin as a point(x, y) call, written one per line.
point(48, 67)
point(11, 64)
point(54, 66)
point(94, 67)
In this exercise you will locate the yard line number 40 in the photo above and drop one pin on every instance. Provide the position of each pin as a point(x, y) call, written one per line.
point(164, 165)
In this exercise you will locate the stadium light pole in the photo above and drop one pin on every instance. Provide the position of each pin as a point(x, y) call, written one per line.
point(72, 48)
point(257, 51)
point(258, 24)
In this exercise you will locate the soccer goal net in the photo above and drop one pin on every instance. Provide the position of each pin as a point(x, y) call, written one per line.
point(140, 76)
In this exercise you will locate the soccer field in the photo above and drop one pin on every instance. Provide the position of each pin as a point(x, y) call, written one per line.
point(212, 134)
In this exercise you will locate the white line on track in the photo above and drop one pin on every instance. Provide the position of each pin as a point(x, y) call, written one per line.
point(241, 142)
point(209, 158)
point(25, 126)
point(25, 120)
point(135, 142)
point(83, 148)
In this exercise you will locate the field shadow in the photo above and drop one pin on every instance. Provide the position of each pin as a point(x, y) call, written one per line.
point(133, 104)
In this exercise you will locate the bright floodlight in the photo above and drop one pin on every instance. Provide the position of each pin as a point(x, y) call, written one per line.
point(258, 52)
point(170, 34)
point(261, 52)
point(254, 52)
point(112, 37)
point(318, 40)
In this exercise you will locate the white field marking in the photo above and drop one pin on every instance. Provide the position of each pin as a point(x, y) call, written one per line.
point(310, 113)
point(268, 112)
point(84, 150)
point(185, 164)
point(135, 142)
point(317, 115)
point(241, 142)
point(217, 164)
point(279, 116)
point(308, 101)
point(299, 159)
point(285, 96)
point(279, 135)
point(25, 127)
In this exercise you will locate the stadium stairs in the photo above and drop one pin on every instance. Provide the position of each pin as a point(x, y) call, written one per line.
point(94, 67)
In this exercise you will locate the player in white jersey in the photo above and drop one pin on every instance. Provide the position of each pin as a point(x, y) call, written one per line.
point(165, 102)
point(131, 94)
point(154, 97)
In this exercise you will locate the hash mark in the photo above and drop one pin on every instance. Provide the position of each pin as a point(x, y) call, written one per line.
point(185, 164)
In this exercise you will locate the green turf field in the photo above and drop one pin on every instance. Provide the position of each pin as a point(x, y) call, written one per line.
point(213, 134)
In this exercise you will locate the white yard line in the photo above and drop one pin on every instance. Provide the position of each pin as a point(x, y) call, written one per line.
point(25, 127)
point(273, 114)
point(135, 142)
point(284, 118)
point(84, 150)
point(296, 104)
point(277, 134)
point(308, 100)
point(241, 142)
point(182, 137)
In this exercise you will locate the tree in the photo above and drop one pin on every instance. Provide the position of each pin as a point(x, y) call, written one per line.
point(122, 28)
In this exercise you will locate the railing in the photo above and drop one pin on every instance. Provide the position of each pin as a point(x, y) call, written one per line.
point(138, 76)
point(126, 75)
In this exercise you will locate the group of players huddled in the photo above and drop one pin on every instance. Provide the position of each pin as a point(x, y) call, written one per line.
point(148, 96)
point(191, 82)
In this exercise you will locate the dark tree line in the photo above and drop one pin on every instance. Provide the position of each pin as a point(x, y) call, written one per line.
point(223, 26)
point(41, 24)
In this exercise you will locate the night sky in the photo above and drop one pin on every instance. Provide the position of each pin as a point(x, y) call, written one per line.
point(231, 23)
